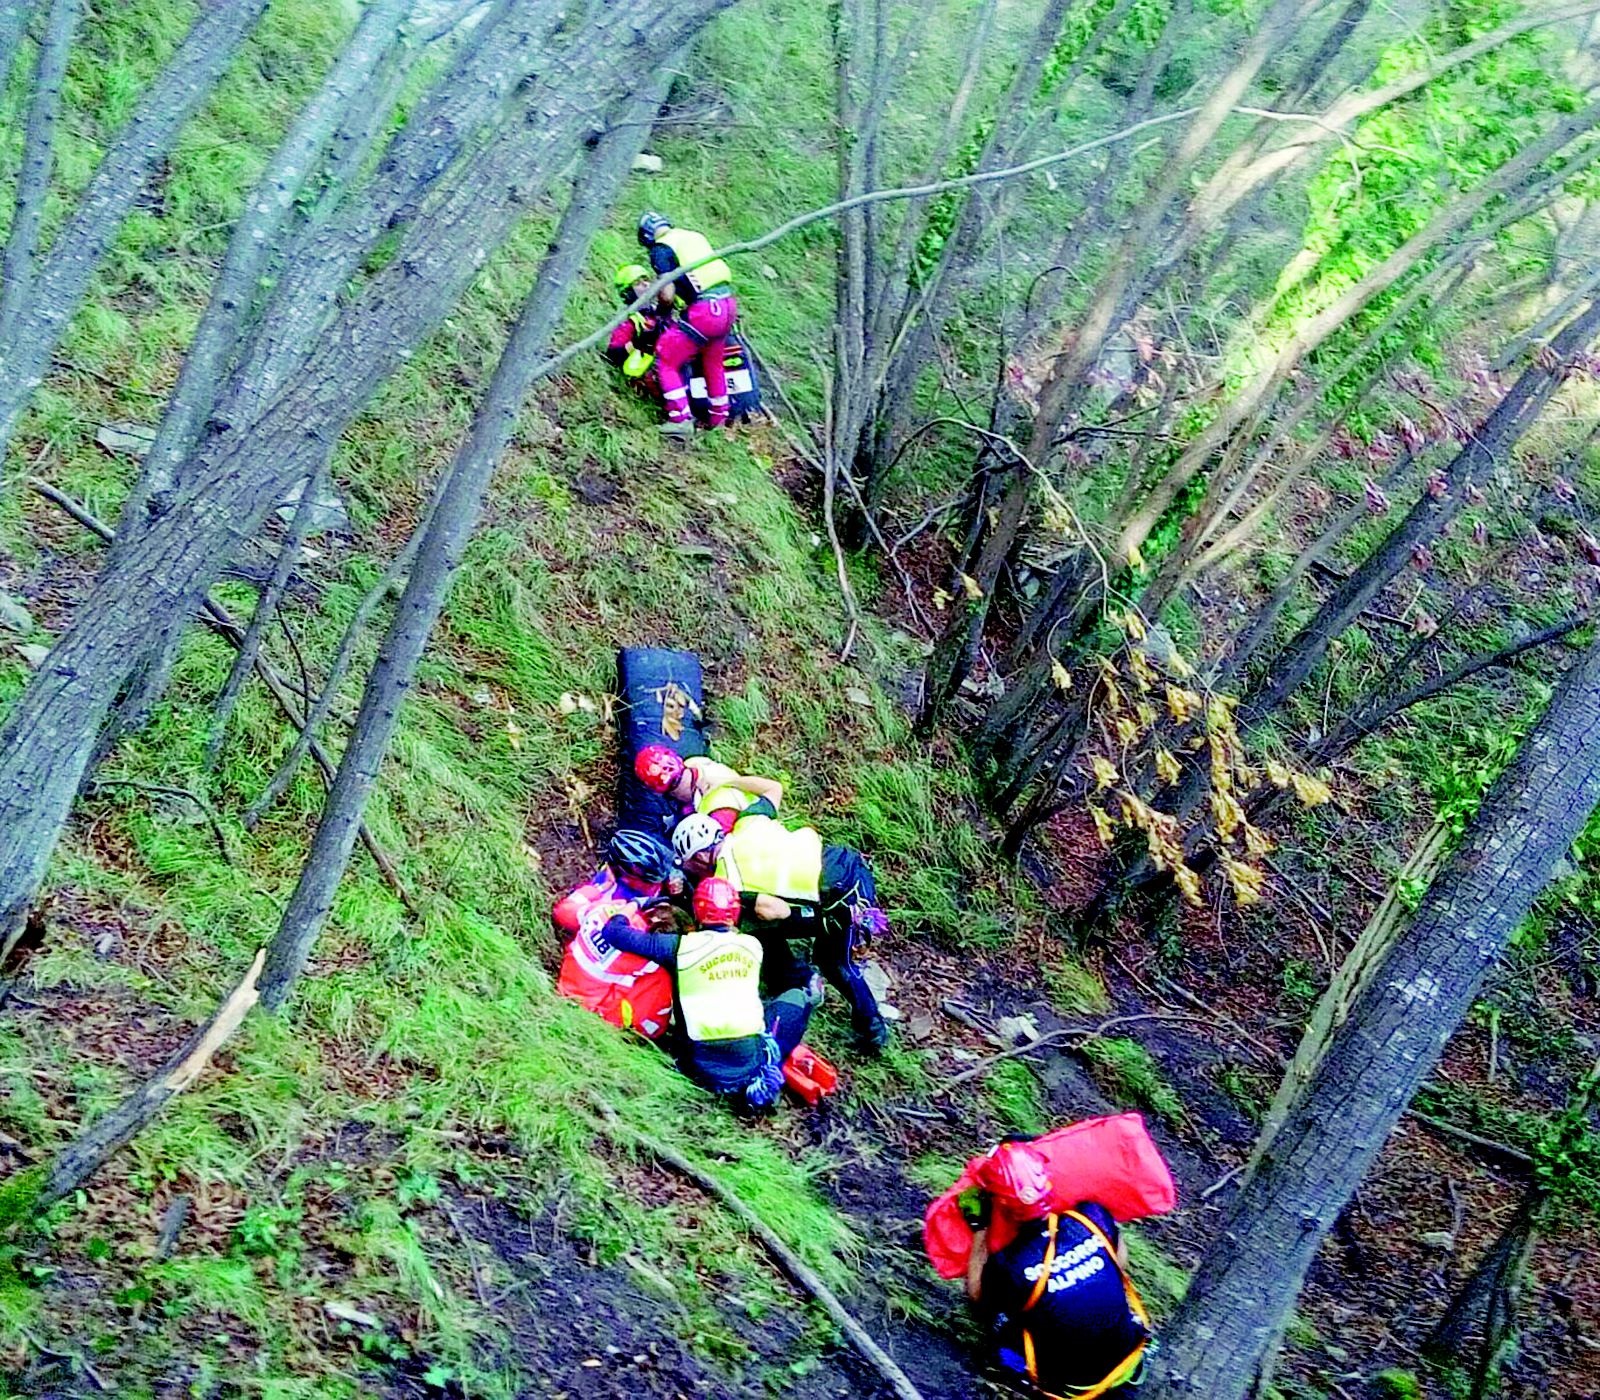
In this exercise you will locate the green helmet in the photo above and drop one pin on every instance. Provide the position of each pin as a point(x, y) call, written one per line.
point(628, 274)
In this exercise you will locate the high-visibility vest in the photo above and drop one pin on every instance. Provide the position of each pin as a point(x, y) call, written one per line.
point(719, 985)
point(762, 856)
point(623, 988)
point(721, 799)
point(692, 247)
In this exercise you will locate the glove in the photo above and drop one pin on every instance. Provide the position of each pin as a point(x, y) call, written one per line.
point(869, 922)
point(637, 364)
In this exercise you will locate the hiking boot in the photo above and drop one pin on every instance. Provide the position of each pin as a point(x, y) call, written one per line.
point(816, 990)
point(672, 428)
point(872, 1036)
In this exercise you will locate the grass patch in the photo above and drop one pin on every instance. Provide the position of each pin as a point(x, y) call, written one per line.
point(1016, 1098)
point(1074, 989)
point(1128, 1073)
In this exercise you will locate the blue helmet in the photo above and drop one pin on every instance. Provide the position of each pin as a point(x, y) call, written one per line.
point(641, 855)
point(652, 226)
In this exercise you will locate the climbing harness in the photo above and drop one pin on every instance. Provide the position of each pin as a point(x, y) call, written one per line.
point(1125, 1369)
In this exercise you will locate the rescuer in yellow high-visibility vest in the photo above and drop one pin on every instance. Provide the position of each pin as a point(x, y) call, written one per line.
point(793, 886)
point(704, 291)
point(725, 1036)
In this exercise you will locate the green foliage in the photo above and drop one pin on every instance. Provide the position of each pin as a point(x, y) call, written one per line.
point(1397, 1384)
point(947, 207)
point(1016, 1098)
point(1416, 154)
point(1567, 1153)
point(1129, 1074)
point(1074, 988)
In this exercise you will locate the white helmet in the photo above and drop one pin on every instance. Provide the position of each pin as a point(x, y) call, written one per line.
point(695, 834)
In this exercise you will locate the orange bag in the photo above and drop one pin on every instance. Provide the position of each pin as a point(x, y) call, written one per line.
point(1112, 1161)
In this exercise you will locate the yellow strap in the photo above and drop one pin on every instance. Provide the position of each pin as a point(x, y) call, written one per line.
point(1135, 1302)
point(1043, 1281)
point(1124, 1369)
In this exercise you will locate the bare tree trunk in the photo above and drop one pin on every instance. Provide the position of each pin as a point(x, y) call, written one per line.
point(266, 606)
point(321, 261)
point(907, 341)
point(256, 237)
point(13, 20)
point(1354, 976)
point(19, 266)
point(338, 668)
point(1314, 332)
point(1482, 1302)
point(1124, 282)
point(82, 1157)
point(1250, 169)
point(136, 154)
point(448, 530)
point(1244, 1290)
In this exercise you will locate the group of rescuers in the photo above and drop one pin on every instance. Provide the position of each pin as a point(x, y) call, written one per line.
point(1055, 1300)
point(688, 319)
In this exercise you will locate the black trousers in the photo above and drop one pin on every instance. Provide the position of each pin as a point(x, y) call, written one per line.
point(829, 927)
point(788, 1015)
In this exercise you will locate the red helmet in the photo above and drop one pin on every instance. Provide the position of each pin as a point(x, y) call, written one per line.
point(657, 767)
point(1017, 1175)
point(716, 903)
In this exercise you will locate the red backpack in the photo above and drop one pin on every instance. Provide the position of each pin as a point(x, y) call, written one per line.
point(1112, 1161)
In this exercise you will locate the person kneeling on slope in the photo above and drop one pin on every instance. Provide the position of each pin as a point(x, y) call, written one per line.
point(620, 987)
point(704, 289)
point(726, 1039)
point(632, 347)
point(795, 887)
point(702, 784)
point(1057, 1301)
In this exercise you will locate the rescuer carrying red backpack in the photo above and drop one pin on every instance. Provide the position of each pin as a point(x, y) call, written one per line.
point(1056, 1300)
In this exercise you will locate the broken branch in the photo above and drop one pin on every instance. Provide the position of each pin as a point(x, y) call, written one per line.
point(792, 1264)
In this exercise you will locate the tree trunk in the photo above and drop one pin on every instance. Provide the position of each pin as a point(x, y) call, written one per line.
point(1515, 414)
point(85, 1154)
point(13, 19)
point(150, 588)
point(1244, 1290)
point(1250, 169)
point(448, 531)
point(119, 179)
point(256, 237)
point(1476, 1305)
point(266, 605)
point(1259, 390)
point(19, 266)
point(919, 315)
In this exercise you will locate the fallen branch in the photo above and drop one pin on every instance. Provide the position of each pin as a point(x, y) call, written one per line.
point(81, 1158)
point(1054, 1038)
point(163, 790)
point(1472, 1139)
point(222, 622)
point(792, 1264)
